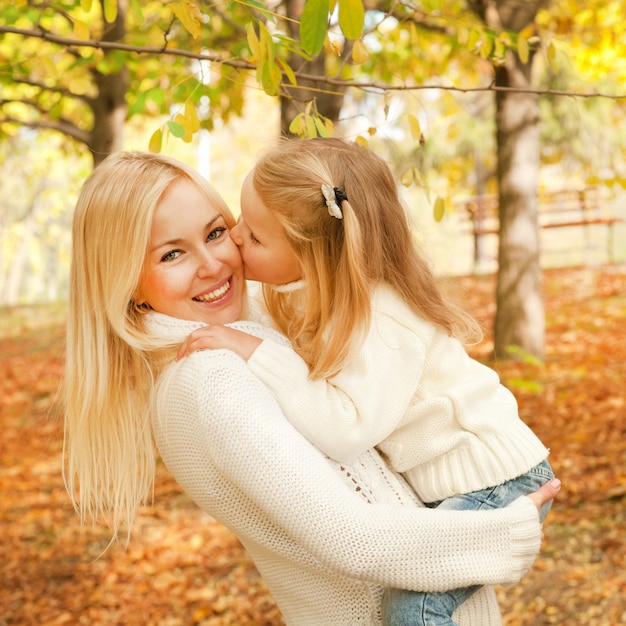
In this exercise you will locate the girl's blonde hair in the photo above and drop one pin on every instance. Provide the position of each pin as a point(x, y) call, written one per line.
point(112, 361)
point(342, 260)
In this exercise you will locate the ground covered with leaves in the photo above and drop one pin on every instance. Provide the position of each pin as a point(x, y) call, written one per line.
point(182, 568)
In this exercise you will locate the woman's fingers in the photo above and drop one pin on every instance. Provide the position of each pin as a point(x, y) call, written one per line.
point(546, 492)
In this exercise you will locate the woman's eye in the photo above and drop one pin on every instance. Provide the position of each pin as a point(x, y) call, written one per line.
point(170, 256)
point(216, 233)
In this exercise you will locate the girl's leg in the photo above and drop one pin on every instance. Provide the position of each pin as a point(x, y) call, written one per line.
point(502, 495)
point(409, 608)
point(412, 608)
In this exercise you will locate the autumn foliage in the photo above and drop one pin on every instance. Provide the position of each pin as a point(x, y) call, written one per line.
point(182, 568)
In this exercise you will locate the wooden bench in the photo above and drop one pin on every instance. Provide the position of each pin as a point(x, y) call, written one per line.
point(561, 209)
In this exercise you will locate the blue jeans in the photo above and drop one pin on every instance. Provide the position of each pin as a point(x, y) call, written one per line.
point(411, 608)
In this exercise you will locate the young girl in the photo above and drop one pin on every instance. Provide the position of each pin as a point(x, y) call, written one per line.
point(381, 359)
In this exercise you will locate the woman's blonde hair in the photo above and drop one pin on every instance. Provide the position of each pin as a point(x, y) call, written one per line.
point(112, 361)
point(343, 259)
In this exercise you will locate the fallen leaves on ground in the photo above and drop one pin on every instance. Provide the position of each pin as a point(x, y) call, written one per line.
point(182, 568)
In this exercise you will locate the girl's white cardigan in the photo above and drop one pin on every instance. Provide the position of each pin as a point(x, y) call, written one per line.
point(325, 537)
point(441, 418)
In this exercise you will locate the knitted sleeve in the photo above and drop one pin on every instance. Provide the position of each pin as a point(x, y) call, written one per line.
point(360, 406)
point(242, 432)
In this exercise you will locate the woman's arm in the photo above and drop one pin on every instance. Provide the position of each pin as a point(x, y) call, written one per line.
point(278, 472)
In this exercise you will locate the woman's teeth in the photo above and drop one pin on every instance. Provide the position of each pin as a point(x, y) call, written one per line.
point(214, 295)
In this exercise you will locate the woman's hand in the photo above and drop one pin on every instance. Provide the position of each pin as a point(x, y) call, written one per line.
point(213, 337)
point(546, 492)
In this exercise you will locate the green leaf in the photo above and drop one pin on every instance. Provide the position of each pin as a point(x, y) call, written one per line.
point(110, 10)
point(176, 129)
point(270, 78)
point(136, 11)
point(313, 25)
point(351, 18)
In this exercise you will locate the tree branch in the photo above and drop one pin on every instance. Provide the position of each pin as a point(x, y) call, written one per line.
point(314, 78)
point(62, 126)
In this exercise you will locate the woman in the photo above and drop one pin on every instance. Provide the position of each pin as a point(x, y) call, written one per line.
point(152, 261)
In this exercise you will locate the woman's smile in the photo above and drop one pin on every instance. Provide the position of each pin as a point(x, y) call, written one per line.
point(217, 294)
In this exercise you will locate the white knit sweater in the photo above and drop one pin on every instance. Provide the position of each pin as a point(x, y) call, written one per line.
point(441, 418)
point(323, 547)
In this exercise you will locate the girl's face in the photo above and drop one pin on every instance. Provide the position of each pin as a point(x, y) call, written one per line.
point(192, 270)
point(266, 254)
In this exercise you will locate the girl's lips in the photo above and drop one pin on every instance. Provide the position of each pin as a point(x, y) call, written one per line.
point(214, 295)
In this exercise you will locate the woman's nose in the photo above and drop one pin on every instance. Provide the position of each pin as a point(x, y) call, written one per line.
point(209, 264)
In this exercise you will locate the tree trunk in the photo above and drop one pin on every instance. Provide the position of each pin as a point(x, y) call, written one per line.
point(520, 317)
point(329, 98)
point(109, 106)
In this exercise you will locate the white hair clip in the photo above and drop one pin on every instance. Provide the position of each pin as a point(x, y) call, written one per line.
point(332, 195)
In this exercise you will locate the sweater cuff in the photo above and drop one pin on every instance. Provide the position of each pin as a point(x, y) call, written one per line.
point(525, 535)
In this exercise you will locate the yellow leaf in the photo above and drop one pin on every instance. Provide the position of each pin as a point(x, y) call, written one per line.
point(360, 53)
point(296, 127)
point(81, 30)
point(439, 209)
point(523, 49)
point(287, 69)
point(387, 103)
point(407, 178)
point(551, 53)
point(473, 40)
point(271, 76)
point(331, 46)
point(156, 141)
point(498, 48)
point(311, 131)
point(321, 127)
point(351, 18)
point(191, 117)
point(416, 131)
point(486, 46)
point(85, 5)
point(189, 15)
point(253, 41)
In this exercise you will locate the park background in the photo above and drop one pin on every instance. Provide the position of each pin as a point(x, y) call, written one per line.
point(183, 568)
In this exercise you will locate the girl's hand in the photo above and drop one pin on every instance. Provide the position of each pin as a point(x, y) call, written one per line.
point(213, 337)
point(546, 492)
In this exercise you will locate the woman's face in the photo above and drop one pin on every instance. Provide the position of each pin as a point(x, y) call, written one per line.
point(193, 270)
point(266, 254)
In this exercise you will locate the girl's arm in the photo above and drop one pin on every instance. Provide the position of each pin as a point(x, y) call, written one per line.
point(354, 411)
point(215, 336)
